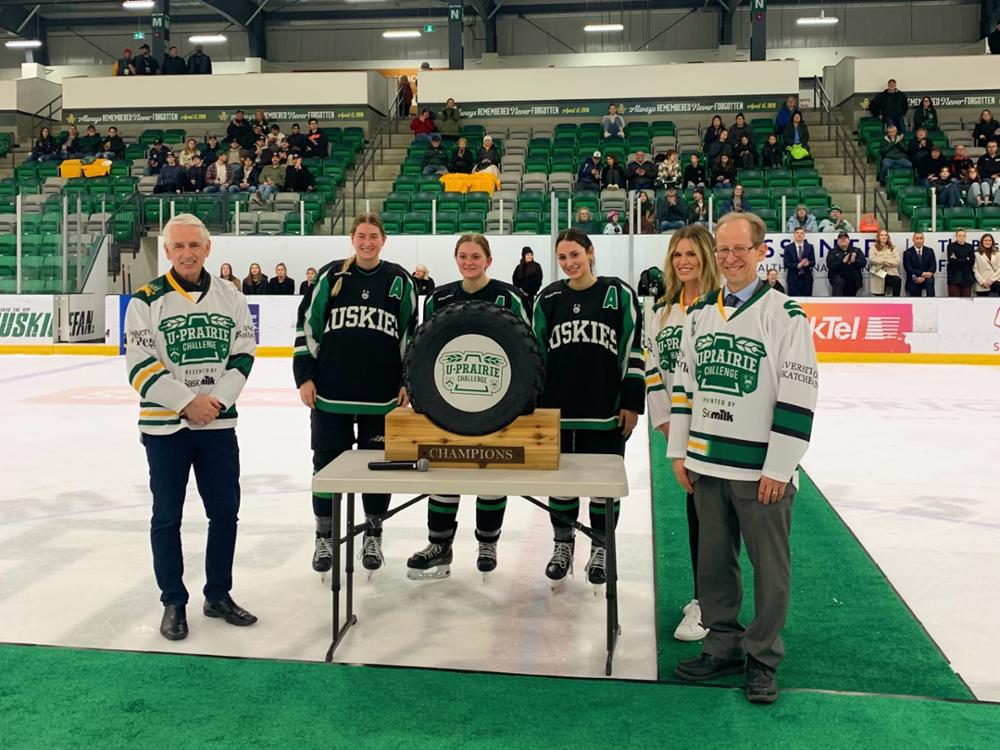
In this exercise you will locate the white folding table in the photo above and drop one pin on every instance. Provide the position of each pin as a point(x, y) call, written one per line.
point(578, 475)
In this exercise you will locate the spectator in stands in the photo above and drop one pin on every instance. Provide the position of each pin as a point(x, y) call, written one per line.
point(960, 164)
point(961, 261)
point(925, 116)
point(71, 148)
point(694, 173)
point(844, 265)
point(298, 143)
point(196, 174)
point(719, 147)
point(986, 130)
point(219, 177)
point(45, 148)
point(802, 219)
point(422, 281)
point(527, 275)
point(240, 130)
point(174, 64)
point(668, 171)
point(929, 168)
point(613, 226)
point(798, 259)
point(263, 150)
point(712, 133)
point(404, 97)
point(890, 106)
point(318, 144)
point(645, 209)
point(835, 222)
point(671, 213)
point(275, 130)
point(235, 153)
point(612, 176)
point(978, 192)
point(249, 175)
point(989, 163)
point(772, 281)
point(422, 126)
point(462, 161)
point(640, 172)
point(739, 129)
point(450, 121)
point(124, 65)
point(993, 41)
point(737, 203)
point(145, 64)
point(585, 221)
point(613, 124)
point(488, 159)
point(589, 176)
point(795, 138)
point(920, 147)
point(91, 142)
point(210, 150)
point(298, 178)
point(883, 273)
point(155, 158)
point(784, 117)
point(271, 181)
point(199, 64)
point(255, 281)
point(259, 120)
point(987, 267)
point(280, 283)
point(306, 286)
point(745, 156)
point(435, 159)
point(723, 171)
point(187, 154)
point(891, 153)
point(773, 154)
point(919, 264)
point(698, 208)
point(226, 274)
point(172, 178)
point(948, 193)
point(112, 147)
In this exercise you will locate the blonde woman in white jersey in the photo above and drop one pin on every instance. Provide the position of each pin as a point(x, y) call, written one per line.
point(689, 271)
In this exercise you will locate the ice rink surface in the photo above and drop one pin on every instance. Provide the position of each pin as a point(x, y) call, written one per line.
point(906, 454)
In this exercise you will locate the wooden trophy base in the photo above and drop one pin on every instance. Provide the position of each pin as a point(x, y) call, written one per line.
point(529, 442)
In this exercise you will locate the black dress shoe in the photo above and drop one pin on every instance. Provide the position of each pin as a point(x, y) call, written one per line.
point(706, 667)
point(174, 625)
point(762, 686)
point(229, 611)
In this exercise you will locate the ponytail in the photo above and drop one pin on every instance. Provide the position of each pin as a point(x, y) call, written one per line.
point(344, 268)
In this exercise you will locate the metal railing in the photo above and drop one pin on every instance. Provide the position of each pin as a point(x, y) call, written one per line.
point(50, 117)
point(374, 152)
point(880, 206)
point(844, 145)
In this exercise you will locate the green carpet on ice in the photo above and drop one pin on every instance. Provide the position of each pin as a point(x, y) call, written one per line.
point(63, 698)
point(846, 629)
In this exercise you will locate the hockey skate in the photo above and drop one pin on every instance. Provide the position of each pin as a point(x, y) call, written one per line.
point(432, 562)
point(597, 572)
point(487, 560)
point(371, 552)
point(561, 562)
point(322, 555)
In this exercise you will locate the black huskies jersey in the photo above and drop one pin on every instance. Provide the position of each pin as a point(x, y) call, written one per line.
point(497, 292)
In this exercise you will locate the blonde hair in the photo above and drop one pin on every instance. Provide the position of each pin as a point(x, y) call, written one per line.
point(364, 218)
point(704, 248)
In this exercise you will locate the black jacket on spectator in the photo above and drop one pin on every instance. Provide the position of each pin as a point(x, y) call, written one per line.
point(157, 157)
point(317, 144)
point(171, 179)
point(261, 287)
point(773, 155)
point(435, 157)
point(196, 178)
point(745, 156)
point(528, 278)
point(613, 176)
point(892, 149)
point(125, 67)
point(305, 288)
point(423, 286)
point(993, 40)
point(893, 104)
point(586, 174)
point(117, 147)
point(71, 145)
point(174, 66)
point(845, 278)
point(199, 64)
point(209, 154)
point(488, 156)
point(298, 180)
point(90, 143)
point(988, 166)
point(715, 149)
point(711, 135)
point(930, 166)
point(721, 173)
point(694, 174)
point(984, 132)
point(925, 118)
point(960, 168)
point(736, 132)
point(241, 132)
point(917, 151)
point(461, 163)
point(298, 143)
point(697, 212)
point(961, 260)
point(280, 287)
point(667, 211)
point(914, 265)
point(788, 135)
point(146, 65)
point(643, 181)
point(45, 147)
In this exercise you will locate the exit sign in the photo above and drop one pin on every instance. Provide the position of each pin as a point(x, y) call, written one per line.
point(429, 28)
point(138, 35)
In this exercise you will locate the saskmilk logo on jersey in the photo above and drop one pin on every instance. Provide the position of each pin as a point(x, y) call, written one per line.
point(727, 363)
point(197, 338)
point(668, 344)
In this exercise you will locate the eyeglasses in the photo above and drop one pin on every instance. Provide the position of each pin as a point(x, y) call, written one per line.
point(738, 251)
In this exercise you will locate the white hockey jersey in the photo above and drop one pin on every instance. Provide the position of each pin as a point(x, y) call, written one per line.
point(663, 344)
point(745, 388)
point(179, 344)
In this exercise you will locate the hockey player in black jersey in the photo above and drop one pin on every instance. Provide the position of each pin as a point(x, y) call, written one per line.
point(353, 327)
point(590, 330)
point(473, 257)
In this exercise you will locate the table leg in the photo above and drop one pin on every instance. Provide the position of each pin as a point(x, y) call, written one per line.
point(335, 573)
point(611, 587)
point(349, 568)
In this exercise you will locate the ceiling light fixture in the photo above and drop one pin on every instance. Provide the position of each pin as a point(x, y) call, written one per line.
point(207, 39)
point(23, 44)
point(602, 27)
point(821, 20)
point(401, 34)
point(138, 4)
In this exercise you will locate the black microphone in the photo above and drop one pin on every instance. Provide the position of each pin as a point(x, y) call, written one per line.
point(421, 464)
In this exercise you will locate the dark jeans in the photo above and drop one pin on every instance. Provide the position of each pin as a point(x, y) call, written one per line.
point(332, 434)
point(921, 290)
point(899, 122)
point(215, 456)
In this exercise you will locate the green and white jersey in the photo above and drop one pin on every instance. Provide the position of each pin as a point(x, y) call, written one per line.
point(663, 344)
point(181, 343)
point(745, 388)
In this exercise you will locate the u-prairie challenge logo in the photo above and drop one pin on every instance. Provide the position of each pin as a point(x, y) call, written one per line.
point(472, 373)
point(728, 364)
point(197, 338)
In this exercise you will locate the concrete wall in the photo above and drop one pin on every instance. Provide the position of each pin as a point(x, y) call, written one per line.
point(914, 75)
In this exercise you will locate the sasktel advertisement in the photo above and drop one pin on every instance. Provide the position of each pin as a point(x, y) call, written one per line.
point(860, 327)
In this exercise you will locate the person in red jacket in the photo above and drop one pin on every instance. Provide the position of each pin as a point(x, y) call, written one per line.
point(422, 126)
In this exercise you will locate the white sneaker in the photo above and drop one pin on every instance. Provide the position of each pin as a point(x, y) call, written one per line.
point(690, 628)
